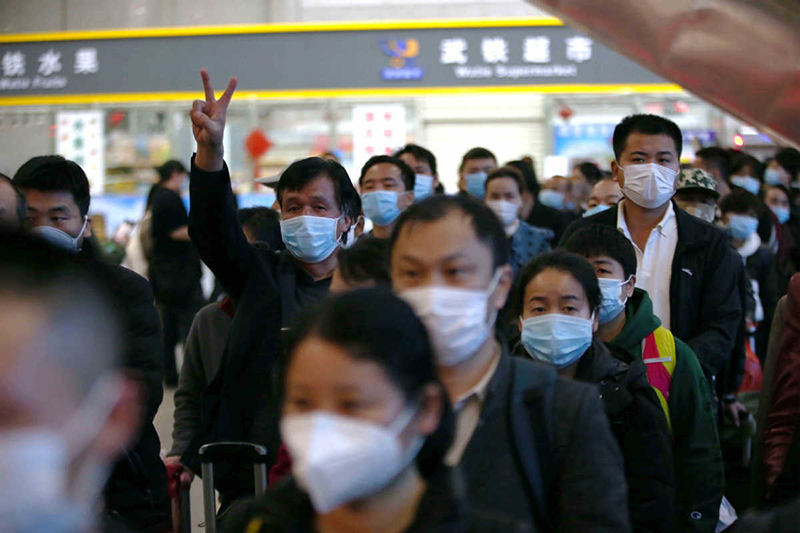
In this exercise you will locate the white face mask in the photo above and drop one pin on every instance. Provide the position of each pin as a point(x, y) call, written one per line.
point(507, 212)
point(61, 239)
point(705, 212)
point(338, 459)
point(649, 185)
point(310, 239)
point(34, 469)
point(456, 319)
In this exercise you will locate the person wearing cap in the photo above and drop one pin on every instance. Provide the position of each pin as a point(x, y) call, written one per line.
point(174, 264)
point(697, 194)
point(693, 276)
point(271, 182)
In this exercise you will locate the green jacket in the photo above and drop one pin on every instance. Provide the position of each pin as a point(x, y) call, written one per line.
point(699, 471)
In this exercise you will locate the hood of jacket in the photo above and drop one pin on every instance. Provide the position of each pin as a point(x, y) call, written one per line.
point(640, 321)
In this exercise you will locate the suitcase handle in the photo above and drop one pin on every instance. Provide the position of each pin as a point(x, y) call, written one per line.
point(220, 451)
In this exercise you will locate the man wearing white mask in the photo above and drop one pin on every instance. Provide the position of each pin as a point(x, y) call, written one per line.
point(423, 163)
point(319, 207)
point(476, 165)
point(504, 197)
point(387, 189)
point(687, 266)
point(449, 261)
point(66, 412)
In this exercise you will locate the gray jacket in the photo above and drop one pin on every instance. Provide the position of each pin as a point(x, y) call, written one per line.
point(203, 352)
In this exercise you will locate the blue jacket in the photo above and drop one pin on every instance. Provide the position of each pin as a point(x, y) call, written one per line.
point(527, 243)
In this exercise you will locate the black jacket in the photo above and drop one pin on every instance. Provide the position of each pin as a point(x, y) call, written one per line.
point(542, 444)
point(542, 216)
point(707, 293)
point(137, 490)
point(762, 267)
point(642, 432)
point(442, 509)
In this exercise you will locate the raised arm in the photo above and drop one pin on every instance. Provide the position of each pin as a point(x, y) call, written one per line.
point(213, 225)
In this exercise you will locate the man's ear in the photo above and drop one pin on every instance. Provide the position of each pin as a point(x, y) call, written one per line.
point(124, 421)
point(632, 286)
point(88, 231)
point(404, 201)
point(619, 174)
point(430, 409)
point(500, 296)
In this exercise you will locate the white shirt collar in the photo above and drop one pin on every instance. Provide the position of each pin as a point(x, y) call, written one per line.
point(665, 226)
point(750, 246)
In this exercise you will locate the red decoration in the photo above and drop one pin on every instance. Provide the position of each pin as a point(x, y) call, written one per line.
point(566, 112)
point(257, 144)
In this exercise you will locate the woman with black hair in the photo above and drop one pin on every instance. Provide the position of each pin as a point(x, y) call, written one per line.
point(559, 301)
point(367, 424)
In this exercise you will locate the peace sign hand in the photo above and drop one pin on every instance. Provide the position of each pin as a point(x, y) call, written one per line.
point(208, 124)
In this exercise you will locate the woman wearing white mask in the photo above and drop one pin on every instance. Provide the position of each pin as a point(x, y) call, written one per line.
point(504, 197)
point(367, 425)
point(560, 303)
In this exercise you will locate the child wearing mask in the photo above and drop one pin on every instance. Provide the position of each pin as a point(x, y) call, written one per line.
point(740, 212)
point(632, 332)
point(368, 424)
point(560, 310)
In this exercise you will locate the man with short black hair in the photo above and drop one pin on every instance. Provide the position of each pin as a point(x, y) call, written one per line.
point(535, 212)
point(449, 260)
point(717, 162)
point(694, 278)
point(57, 192)
point(423, 162)
point(319, 207)
point(13, 207)
point(387, 189)
point(476, 165)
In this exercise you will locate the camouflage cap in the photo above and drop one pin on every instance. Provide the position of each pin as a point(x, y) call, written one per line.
point(698, 180)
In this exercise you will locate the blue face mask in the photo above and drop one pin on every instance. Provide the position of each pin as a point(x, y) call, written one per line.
point(552, 198)
point(557, 339)
point(310, 239)
point(772, 176)
point(423, 187)
point(782, 213)
point(599, 208)
point(381, 207)
point(741, 227)
point(611, 303)
point(748, 183)
point(476, 184)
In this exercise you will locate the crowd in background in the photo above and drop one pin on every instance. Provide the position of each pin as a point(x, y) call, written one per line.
point(613, 350)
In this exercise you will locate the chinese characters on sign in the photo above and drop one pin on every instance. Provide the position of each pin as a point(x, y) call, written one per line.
point(377, 130)
point(14, 69)
point(79, 138)
point(497, 57)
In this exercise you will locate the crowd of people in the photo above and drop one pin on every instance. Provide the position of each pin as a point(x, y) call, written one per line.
point(607, 351)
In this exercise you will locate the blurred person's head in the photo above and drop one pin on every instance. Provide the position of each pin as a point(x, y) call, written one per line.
point(13, 207)
point(605, 195)
point(57, 193)
point(387, 189)
point(746, 171)
point(172, 175)
point(363, 410)
point(647, 149)
point(697, 194)
point(716, 161)
point(330, 156)
point(614, 260)
point(777, 199)
point(555, 193)
point(558, 296)
point(449, 259)
point(587, 171)
point(364, 265)
point(786, 170)
point(579, 192)
point(530, 189)
point(476, 165)
point(261, 224)
point(66, 413)
point(423, 163)
point(504, 189)
point(319, 207)
point(740, 211)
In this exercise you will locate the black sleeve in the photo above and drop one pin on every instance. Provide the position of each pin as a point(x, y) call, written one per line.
point(216, 231)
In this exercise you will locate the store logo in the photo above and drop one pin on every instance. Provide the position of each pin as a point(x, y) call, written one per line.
point(402, 54)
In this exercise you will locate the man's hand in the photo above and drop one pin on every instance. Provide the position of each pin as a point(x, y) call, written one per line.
point(208, 124)
point(186, 476)
point(734, 410)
